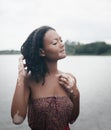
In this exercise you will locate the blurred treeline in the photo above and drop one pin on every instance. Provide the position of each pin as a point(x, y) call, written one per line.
point(7, 52)
point(77, 48)
point(94, 48)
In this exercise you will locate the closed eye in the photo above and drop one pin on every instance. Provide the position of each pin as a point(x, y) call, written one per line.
point(57, 41)
point(54, 43)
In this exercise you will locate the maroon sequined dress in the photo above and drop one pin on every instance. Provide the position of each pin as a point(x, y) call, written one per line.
point(50, 113)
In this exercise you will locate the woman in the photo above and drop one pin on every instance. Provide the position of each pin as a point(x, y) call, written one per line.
point(49, 96)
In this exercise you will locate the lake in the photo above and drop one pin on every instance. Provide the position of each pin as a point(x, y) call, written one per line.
point(93, 74)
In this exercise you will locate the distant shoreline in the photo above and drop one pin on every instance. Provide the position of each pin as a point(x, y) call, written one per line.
point(11, 52)
point(76, 49)
point(16, 52)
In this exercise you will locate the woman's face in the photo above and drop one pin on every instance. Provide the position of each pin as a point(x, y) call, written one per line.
point(53, 46)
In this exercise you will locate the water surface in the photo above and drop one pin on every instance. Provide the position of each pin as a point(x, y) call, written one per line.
point(93, 74)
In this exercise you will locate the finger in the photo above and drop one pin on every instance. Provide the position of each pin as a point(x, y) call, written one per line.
point(21, 65)
point(61, 76)
point(65, 76)
point(60, 82)
point(63, 84)
point(67, 79)
point(66, 86)
point(20, 61)
point(70, 79)
point(64, 80)
point(22, 57)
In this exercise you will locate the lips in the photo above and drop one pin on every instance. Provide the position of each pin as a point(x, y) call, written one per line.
point(62, 50)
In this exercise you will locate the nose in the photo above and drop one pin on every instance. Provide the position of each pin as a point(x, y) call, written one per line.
point(61, 44)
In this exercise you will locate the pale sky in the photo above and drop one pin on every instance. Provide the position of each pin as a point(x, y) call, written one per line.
point(74, 20)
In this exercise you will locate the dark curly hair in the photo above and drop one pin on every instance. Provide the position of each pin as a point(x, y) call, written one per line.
point(30, 50)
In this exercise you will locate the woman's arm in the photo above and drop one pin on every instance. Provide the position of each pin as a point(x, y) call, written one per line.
point(75, 97)
point(21, 95)
point(68, 81)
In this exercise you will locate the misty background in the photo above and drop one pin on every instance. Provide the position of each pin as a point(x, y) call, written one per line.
point(77, 20)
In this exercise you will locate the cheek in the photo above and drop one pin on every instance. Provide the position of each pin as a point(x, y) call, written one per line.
point(51, 53)
point(54, 53)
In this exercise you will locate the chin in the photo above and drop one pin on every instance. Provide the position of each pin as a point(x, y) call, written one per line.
point(62, 57)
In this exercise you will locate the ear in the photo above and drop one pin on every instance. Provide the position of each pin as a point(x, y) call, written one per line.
point(41, 52)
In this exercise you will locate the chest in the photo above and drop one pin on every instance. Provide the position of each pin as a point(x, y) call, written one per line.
point(51, 87)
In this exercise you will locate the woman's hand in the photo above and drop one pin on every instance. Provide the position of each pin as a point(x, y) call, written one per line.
point(22, 73)
point(67, 81)
point(21, 68)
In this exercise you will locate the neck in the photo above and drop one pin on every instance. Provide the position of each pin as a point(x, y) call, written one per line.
point(52, 67)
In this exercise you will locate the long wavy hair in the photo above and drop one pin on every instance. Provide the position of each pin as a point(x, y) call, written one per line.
point(31, 52)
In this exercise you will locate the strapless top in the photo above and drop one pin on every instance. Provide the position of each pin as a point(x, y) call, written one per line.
point(50, 113)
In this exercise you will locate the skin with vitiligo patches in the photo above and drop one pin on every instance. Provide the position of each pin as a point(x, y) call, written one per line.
point(69, 80)
point(17, 119)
